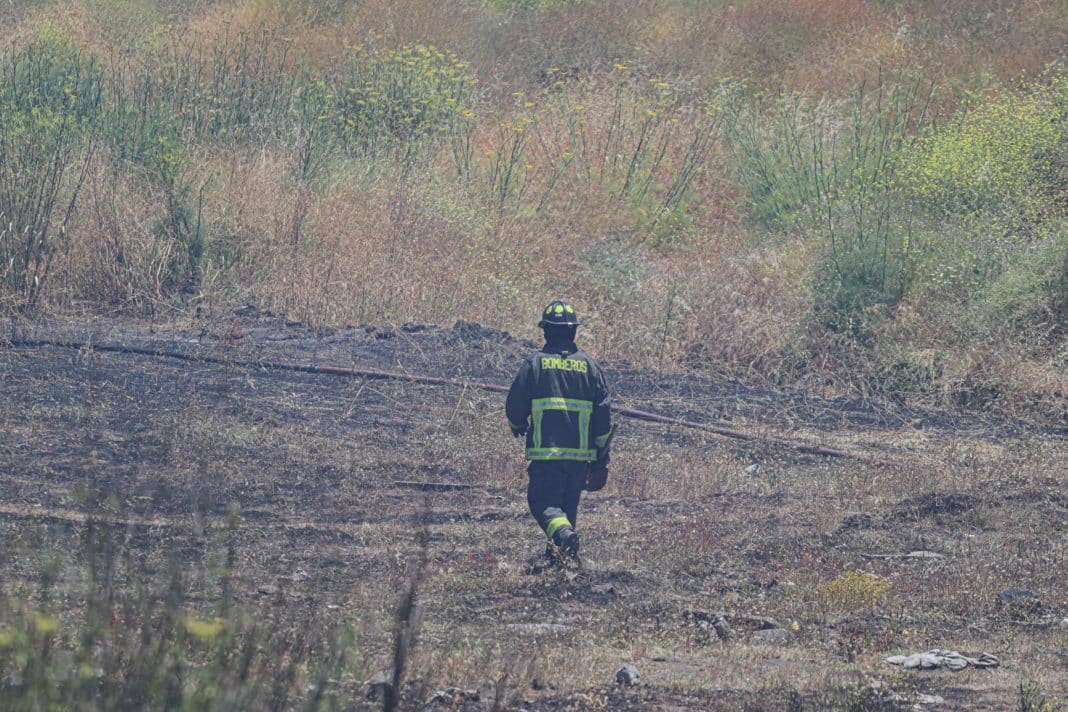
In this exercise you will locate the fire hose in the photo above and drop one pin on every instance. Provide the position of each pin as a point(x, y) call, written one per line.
point(374, 374)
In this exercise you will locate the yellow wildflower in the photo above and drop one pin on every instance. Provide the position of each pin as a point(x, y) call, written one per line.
point(44, 623)
point(203, 629)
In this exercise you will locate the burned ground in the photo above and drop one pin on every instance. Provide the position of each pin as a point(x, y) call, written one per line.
point(285, 492)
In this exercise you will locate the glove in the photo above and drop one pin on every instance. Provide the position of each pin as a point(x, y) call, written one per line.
point(597, 474)
point(596, 479)
point(519, 432)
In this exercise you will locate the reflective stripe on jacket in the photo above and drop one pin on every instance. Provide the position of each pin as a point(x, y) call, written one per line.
point(561, 391)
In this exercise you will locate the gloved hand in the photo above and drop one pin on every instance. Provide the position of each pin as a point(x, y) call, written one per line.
point(596, 478)
point(597, 475)
point(603, 458)
point(519, 432)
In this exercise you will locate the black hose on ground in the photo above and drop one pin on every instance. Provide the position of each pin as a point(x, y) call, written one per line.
point(807, 448)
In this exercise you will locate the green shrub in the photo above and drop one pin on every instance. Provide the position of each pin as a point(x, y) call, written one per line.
point(644, 148)
point(831, 169)
point(397, 99)
point(769, 153)
point(1058, 291)
point(183, 97)
point(238, 90)
point(50, 95)
point(313, 10)
point(1006, 155)
point(126, 21)
point(991, 183)
point(855, 589)
point(513, 5)
point(1024, 296)
point(149, 137)
point(53, 76)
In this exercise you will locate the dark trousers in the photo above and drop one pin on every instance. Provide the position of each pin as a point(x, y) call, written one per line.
point(554, 490)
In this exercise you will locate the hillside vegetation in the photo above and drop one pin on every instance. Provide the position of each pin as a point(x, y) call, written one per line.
point(820, 223)
point(866, 196)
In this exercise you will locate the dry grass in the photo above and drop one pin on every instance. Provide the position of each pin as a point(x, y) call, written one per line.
point(375, 241)
point(117, 258)
point(363, 249)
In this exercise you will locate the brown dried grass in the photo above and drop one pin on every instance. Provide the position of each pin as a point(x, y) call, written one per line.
point(114, 254)
point(365, 248)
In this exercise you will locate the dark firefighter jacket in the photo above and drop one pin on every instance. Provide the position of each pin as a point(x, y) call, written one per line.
point(563, 393)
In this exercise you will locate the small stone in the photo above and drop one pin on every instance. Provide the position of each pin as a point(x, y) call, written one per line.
point(1019, 598)
point(1063, 624)
point(628, 676)
point(922, 700)
point(768, 623)
point(753, 469)
point(771, 636)
point(884, 693)
point(722, 628)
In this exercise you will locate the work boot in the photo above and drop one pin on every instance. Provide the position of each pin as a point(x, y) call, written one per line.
point(567, 539)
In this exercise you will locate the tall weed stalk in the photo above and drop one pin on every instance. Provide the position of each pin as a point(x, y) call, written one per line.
point(644, 148)
point(49, 97)
point(833, 168)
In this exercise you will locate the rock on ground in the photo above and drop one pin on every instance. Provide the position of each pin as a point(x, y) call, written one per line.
point(773, 636)
point(949, 659)
point(628, 676)
point(1020, 599)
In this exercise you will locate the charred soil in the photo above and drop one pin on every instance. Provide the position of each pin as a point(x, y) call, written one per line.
point(330, 490)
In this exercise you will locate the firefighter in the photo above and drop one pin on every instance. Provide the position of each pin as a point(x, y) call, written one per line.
point(559, 401)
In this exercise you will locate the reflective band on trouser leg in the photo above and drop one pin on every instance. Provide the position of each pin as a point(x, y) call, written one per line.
point(554, 524)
